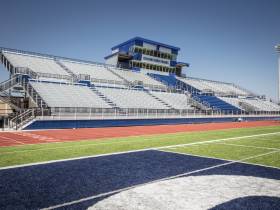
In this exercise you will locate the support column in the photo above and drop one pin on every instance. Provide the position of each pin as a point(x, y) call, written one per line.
point(277, 47)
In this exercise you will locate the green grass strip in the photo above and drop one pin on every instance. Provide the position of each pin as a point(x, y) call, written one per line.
point(54, 151)
point(238, 149)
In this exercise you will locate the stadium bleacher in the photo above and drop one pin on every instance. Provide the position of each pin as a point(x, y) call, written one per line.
point(37, 64)
point(214, 86)
point(129, 98)
point(216, 103)
point(95, 71)
point(68, 83)
point(255, 103)
point(67, 95)
point(132, 76)
point(176, 100)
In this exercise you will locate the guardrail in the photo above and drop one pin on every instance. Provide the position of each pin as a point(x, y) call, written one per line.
point(116, 113)
point(25, 117)
point(10, 83)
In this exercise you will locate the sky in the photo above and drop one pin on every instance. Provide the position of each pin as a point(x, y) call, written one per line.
point(225, 40)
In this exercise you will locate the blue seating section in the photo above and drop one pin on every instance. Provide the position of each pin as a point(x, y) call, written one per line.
point(171, 81)
point(168, 80)
point(215, 102)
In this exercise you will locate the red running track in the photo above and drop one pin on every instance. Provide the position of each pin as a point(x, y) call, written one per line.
point(48, 136)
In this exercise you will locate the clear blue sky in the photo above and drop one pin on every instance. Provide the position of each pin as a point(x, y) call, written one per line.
point(227, 40)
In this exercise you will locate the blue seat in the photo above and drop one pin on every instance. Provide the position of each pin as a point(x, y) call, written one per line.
point(215, 102)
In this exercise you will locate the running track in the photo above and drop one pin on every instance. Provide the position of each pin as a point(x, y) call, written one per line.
point(48, 136)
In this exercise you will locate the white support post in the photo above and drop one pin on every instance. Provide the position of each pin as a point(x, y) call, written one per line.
point(279, 75)
point(277, 47)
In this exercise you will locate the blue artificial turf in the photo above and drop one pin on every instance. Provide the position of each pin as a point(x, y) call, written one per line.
point(50, 184)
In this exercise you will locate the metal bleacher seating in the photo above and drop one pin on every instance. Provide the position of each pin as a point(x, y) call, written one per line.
point(131, 76)
point(214, 86)
point(129, 98)
point(257, 104)
point(66, 95)
point(217, 103)
point(176, 100)
point(58, 83)
point(38, 64)
point(261, 105)
point(99, 72)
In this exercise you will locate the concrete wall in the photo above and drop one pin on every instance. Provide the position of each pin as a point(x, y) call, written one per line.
point(68, 124)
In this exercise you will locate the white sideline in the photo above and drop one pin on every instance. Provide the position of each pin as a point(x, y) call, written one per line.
point(140, 150)
point(163, 179)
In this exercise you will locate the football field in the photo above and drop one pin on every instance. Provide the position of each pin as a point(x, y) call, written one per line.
point(218, 169)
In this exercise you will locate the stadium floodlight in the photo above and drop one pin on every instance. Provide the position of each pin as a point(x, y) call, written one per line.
point(277, 47)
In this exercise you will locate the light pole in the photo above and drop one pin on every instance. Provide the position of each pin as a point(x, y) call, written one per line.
point(277, 47)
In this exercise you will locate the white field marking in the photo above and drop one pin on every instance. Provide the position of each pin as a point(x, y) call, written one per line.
point(148, 138)
point(249, 146)
point(208, 157)
point(159, 180)
point(131, 151)
point(219, 140)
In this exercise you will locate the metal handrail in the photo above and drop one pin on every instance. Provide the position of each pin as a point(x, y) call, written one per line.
point(9, 83)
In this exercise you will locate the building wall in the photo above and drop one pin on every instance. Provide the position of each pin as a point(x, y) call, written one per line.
point(166, 50)
point(145, 71)
point(66, 124)
point(155, 60)
point(5, 109)
point(149, 46)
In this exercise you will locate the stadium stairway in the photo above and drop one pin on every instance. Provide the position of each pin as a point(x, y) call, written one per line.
point(35, 96)
point(74, 76)
point(169, 81)
point(158, 99)
point(7, 85)
point(119, 76)
point(216, 103)
point(248, 107)
point(103, 97)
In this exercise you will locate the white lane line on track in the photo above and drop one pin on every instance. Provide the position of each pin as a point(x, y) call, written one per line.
point(171, 177)
point(35, 136)
point(144, 139)
point(4, 137)
point(140, 150)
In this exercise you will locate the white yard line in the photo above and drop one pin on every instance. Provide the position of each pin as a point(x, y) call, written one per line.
point(219, 140)
point(131, 151)
point(159, 180)
point(202, 156)
point(249, 146)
